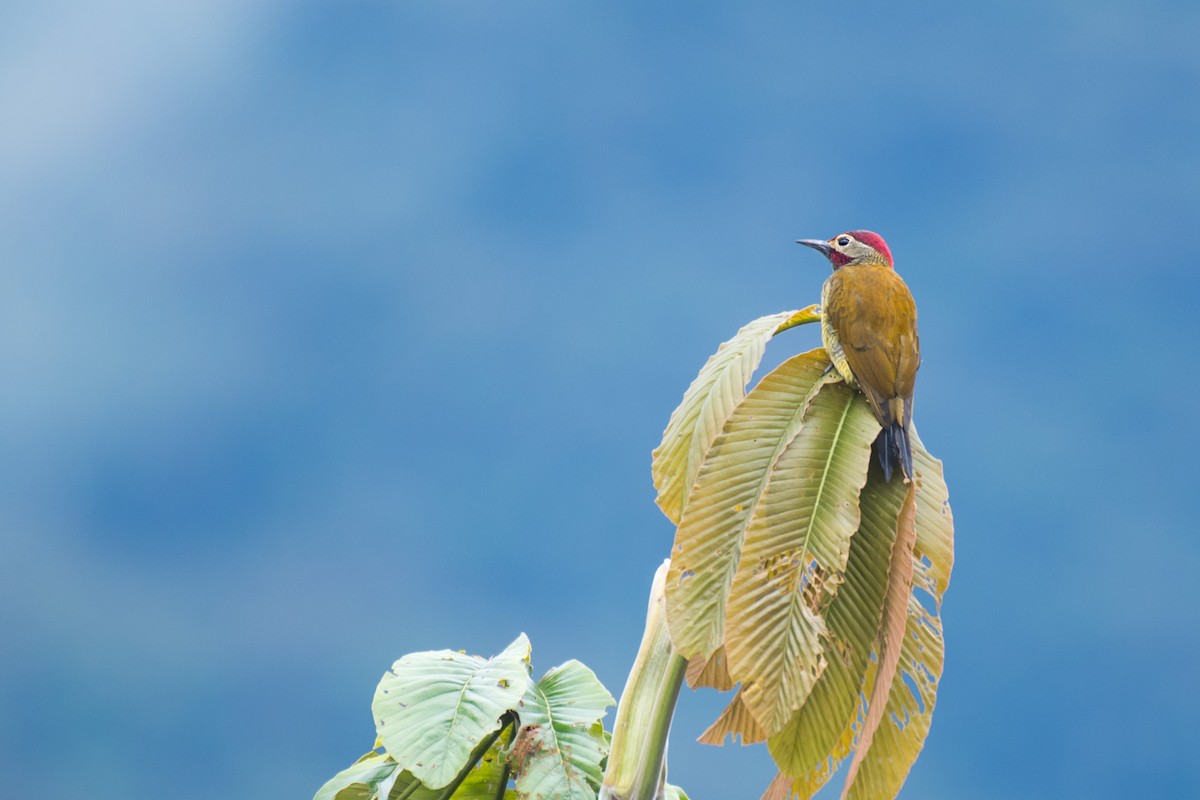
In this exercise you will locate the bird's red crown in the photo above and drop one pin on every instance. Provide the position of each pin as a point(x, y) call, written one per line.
point(875, 242)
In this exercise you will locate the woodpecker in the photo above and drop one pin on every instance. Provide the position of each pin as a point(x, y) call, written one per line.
point(869, 329)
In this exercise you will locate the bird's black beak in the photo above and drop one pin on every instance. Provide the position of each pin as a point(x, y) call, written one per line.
point(817, 244)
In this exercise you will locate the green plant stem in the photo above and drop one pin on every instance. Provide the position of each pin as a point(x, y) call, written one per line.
point(408, 790)
point(503, 786)
point(637, 762)
point(480, 750)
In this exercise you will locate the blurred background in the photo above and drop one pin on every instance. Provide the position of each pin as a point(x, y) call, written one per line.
point(334, 331)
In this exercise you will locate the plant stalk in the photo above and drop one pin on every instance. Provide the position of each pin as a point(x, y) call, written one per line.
point(473, 760)
point(637, 760)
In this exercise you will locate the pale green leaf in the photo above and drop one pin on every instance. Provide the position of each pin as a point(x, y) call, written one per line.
point(794, 555)
point(561, 717)
point(400, 784)
point(373, 776)
point(673, 792)
point(707, 403)
point(433, 708)
point(358, 781)
point(546, 770)
point(569, 694)
point(709, 539)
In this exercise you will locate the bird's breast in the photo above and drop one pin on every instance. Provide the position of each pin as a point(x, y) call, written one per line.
point(830, 338)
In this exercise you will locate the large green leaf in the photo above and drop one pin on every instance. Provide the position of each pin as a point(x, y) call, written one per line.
point(794, 555)
point(707, 403)
point(708, 541)
point(563, 743)
point(820, 734)
point(434, 708)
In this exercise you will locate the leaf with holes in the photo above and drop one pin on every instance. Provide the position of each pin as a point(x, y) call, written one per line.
point(708, 542)
point(901, 735)
point(707, 403)
point(563, 741)
point(804, 750)
point(434, 708)
point(794, 556)
point(909, 710)
point(935, 524)
point(819, 735)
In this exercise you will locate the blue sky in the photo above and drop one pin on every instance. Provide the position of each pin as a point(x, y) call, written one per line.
point(330, 332)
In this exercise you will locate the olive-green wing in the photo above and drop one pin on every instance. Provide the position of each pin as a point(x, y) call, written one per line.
point(874, 316)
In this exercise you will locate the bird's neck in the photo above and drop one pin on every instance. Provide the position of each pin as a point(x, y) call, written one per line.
point(865, 263)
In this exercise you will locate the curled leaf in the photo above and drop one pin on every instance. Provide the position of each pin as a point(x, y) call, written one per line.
point(707, 403)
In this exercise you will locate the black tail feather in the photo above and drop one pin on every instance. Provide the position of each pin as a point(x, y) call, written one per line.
point(894, 448)
point(904, 451)
point(883, 453)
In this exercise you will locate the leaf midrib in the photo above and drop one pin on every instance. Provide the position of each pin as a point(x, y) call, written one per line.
point(797, 593)
point(833, 448)
point(563, 757)
point(788, 436)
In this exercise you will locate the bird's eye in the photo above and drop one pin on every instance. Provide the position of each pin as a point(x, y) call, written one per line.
point(845, 240)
